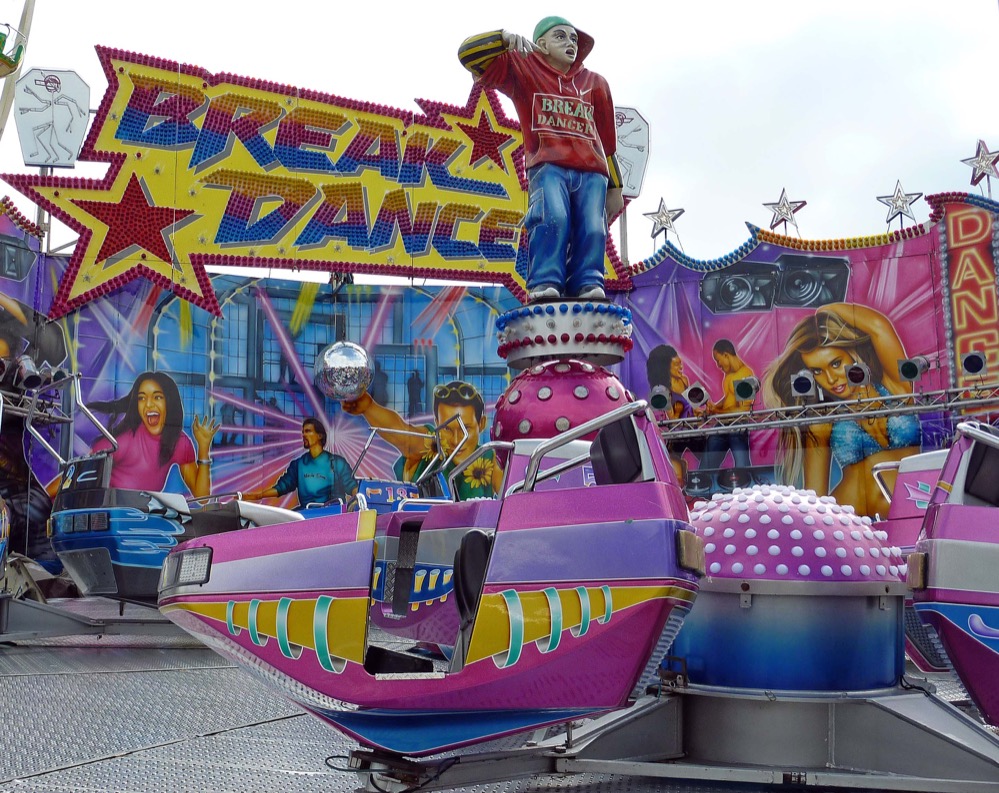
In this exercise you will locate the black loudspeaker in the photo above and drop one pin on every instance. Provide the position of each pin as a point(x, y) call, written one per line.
point(973, 363)
point(803, 384)
point(747, 286)
point(16, 258)
point(912, 369)
point(696, 395)
point(794, 281)
point(746, 389)
point(858, 374)
point(811, 280)
point(657, 372)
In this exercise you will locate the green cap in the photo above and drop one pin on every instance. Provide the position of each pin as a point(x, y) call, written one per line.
point(585, 39)
point(547, 24)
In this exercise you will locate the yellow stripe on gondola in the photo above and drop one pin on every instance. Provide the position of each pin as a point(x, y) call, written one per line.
point(345, 623)
point(494, 626)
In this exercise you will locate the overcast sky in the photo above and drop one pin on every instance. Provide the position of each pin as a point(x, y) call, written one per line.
point(834, 101)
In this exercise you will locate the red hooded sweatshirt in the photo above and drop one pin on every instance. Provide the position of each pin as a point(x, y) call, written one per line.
point(566, 118)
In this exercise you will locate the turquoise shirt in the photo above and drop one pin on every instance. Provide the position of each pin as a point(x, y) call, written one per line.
point(317, 479)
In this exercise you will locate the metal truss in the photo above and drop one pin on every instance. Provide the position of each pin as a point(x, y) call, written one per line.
point(966, 401)
point(29, 403)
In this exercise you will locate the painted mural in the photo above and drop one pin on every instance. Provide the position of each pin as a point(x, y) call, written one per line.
point(205, 379)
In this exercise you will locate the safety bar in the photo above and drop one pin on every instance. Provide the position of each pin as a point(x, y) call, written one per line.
point(435, 463)
point(547, 446)
point(548, 473)
point(431, 468)
point(977, 431)
point(878, 472)
point(371, 436)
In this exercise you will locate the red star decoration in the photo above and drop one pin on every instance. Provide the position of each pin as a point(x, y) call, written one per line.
point(133, 221)
point(486, 141)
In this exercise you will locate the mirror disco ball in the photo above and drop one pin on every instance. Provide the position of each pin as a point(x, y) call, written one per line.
point(343, 371)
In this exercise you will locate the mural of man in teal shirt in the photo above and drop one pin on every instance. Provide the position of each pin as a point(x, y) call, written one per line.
point(318, 475)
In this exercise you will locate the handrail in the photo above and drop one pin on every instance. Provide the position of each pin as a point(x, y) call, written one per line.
point(548, 473)
point(475, 455)
point(431, 468)
point(371, 436)
point(435, 463)
point(977, 432)
point(877, 472)
point(73, 380)
point(547, 446)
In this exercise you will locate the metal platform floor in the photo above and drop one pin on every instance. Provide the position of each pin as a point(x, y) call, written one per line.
point(163, 714)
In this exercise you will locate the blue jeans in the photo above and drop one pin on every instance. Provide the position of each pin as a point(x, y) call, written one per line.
point(566, 228)
point(718, 445)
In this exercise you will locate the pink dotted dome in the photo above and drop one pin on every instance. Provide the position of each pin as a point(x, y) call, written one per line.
point(555, 396)
point(780, 534)
point(787, 602)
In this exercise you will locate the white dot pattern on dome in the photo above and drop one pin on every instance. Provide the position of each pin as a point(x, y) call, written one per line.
point(799, 535)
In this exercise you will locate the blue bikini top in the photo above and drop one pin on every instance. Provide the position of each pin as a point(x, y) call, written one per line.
point(850, 443)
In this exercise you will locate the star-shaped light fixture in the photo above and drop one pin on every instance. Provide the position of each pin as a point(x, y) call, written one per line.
point(784, 210)
point(662, 219)
point(983, 164)
point(899, 203)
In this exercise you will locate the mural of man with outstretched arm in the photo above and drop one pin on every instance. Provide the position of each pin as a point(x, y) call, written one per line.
point(570, 137)
point(454, 402)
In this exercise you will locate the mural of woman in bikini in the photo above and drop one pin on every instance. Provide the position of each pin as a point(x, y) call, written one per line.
point(827, 344)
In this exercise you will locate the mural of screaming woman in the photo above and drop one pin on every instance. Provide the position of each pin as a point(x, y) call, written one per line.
point(151, 438)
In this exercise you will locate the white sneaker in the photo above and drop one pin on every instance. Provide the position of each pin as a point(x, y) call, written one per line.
point(592, 293)
point(544, 292)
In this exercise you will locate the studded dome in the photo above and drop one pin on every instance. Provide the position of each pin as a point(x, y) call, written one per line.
point(780, 534)
point(556, 396)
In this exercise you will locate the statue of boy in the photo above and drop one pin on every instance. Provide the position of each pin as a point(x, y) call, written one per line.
point(567, 117)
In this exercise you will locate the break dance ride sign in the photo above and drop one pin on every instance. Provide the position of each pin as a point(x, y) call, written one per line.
point(214, 169)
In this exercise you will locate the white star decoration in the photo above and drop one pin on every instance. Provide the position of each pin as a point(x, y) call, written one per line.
point(662, 219)
point(899, 203)
point(983, 163)
point(784, 210)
